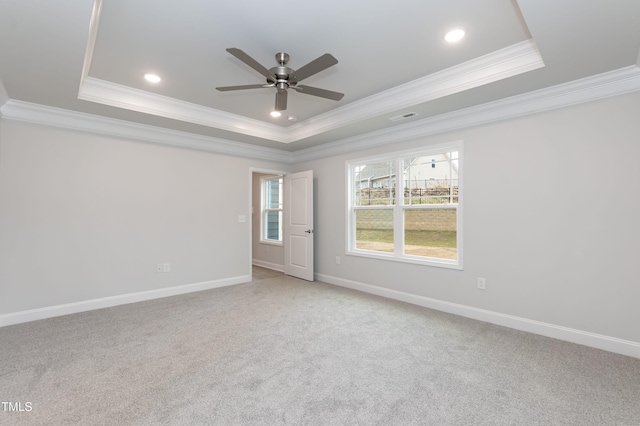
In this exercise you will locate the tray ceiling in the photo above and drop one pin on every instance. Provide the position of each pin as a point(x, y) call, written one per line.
point(90, 56)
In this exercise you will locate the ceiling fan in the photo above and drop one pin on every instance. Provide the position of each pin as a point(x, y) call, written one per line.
point(283, 77)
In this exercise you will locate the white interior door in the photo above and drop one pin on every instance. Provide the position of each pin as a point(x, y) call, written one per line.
point(298, 225)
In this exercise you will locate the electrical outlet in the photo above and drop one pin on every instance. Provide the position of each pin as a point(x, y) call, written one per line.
point(481, 284)
point(167, 267)
point(337, 260)
point(159, 268)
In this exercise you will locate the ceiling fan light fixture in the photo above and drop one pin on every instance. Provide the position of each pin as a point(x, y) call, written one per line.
point(454, 35)
point(152, 78)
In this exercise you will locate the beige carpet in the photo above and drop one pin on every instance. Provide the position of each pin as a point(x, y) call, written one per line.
point(286, 351)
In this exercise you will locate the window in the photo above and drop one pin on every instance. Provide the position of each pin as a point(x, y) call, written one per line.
point(271, 210)
point(407, 206)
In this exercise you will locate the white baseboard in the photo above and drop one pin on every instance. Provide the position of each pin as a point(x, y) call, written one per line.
point(268, 265)
point(107, 302)
point(611, 344)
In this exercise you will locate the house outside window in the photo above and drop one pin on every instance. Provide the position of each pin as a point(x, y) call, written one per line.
point(271, 210)
point(407, 206)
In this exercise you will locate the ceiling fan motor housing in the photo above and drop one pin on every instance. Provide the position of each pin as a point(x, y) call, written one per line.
point(282, 72)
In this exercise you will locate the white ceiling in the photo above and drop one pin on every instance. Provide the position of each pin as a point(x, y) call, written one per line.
point(89, 56)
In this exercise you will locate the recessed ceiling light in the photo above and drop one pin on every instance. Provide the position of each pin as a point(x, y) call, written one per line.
point(276, 114)
point(292, 118)
point(454, 35)
point(152, 78)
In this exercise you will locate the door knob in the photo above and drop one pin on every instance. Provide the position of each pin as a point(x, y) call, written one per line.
point(309, 231)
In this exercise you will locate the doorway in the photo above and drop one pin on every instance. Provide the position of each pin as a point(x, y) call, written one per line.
point(265, 252)
point(281, 228)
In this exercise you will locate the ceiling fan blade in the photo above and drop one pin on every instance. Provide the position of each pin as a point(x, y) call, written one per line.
point(281, 100)
point(246, 86)
point(251, 62)
point(323, 93)
point(322, 63)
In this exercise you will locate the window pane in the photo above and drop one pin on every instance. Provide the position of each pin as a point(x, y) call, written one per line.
point(273, 194)
point(272, 225)
point(374, 229)
point(431, 233)
point(375, 184)
point(431, 179)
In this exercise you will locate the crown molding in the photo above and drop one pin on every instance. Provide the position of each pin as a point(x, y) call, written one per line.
point(508, 62)
point(504, 63)
point(108, 93)
point(91, 40)
point(498, 65)
point(57, 117)
point(613, 83)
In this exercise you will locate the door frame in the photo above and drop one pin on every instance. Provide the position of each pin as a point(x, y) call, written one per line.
point(261, 170)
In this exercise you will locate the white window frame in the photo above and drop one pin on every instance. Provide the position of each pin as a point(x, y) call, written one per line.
point(264, 210)
point(399, 207)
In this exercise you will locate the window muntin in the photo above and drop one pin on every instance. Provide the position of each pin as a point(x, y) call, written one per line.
point(271, 210)
point(406, 206)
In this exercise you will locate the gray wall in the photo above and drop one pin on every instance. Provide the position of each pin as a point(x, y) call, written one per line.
point(84, 216)
point(267, 255)
point(551, 208)
point(550, 218)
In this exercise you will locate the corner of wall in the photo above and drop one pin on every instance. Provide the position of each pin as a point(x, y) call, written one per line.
point(4, 96)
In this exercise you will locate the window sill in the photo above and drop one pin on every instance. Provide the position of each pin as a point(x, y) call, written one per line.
point(271, 243)
point(416, 260)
